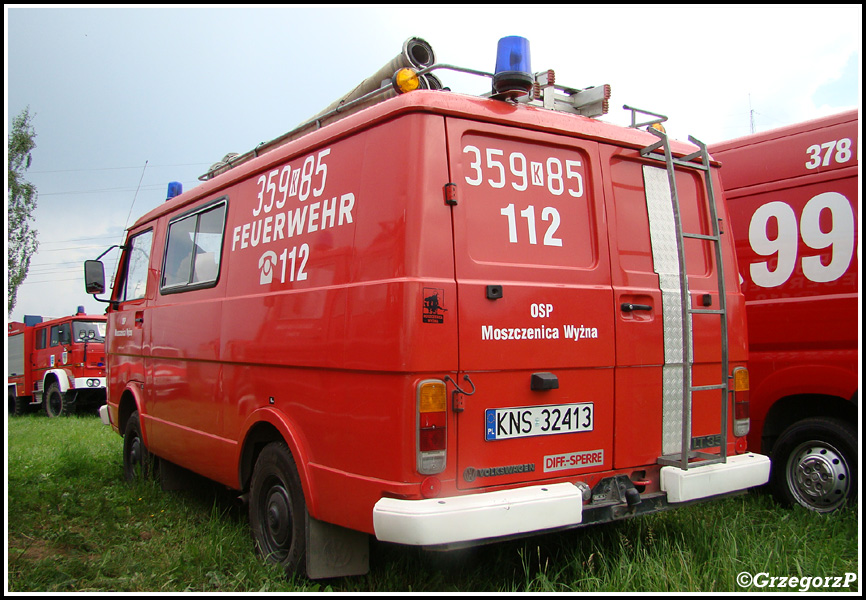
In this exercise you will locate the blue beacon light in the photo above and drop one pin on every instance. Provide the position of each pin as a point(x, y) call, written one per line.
point(513, 76)
point(175, 188)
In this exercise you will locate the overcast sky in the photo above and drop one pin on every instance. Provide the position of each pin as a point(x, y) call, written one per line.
point(125, 100)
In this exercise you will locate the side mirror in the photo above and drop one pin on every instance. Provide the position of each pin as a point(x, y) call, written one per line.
point(94, 277)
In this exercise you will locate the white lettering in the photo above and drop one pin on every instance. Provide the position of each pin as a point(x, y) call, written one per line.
point(329, 213)
point(347, 203)
point(236, 236)
point(256, 233)
point(488, 332)
point(314, 216)
point(296, 220)
point(580, 332)
point(279, 223)
point(266, 232)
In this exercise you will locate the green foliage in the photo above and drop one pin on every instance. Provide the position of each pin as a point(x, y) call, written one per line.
point(74, 525)
point(21, 199)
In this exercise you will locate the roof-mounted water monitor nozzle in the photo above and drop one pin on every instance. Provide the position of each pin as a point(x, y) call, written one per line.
point(513, 76)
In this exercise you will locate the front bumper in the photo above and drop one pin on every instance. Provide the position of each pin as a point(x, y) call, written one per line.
point(103, 414)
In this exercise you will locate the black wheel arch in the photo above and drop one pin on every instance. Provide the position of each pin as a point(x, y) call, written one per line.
point(792, 409)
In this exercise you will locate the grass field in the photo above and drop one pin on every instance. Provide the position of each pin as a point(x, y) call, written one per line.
point(74, 525)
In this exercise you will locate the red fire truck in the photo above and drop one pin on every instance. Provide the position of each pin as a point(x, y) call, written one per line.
point(793, 198)
point(58, 364)
point(441, 320)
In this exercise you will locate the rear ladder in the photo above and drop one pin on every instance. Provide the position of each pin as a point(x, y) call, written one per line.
point(683, 456)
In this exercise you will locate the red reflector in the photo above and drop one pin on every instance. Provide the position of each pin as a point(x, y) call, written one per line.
point(430, 487)
point(741, 445)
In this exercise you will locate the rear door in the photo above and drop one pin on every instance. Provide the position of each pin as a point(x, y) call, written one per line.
point(535, 306)
point(650, 336)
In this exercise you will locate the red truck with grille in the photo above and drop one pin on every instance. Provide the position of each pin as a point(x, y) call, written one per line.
point(438, 319)
point(793, 198)
point(57, 365)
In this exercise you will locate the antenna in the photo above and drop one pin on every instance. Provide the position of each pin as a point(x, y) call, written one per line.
point(140, 179)
point(135, 196)
point(751, 116)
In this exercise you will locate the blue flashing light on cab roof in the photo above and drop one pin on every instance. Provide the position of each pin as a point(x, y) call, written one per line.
point(513, 75)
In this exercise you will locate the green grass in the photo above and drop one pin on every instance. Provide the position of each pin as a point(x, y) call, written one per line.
point(74, 525)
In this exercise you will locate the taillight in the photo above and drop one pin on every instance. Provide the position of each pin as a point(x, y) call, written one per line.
point(741, 401)
point(432, 420)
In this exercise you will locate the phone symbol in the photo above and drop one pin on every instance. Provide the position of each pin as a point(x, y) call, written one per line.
point(267, 262)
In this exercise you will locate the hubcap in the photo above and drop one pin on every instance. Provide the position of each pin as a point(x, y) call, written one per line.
point(278, 519)
point(136, 464)
point(818, 476)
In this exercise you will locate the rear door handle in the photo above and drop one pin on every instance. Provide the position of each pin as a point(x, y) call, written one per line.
point(629, 307)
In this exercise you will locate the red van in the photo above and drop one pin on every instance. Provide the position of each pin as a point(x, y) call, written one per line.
point(793, 197)
point(440, 320)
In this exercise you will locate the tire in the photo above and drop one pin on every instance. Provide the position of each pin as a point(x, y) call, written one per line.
point(814, 464)
point(17, 404)
point(56, 403)
point(138, 463)
point(278, 510)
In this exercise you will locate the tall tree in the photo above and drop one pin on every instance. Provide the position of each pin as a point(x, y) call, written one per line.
point(21, 198)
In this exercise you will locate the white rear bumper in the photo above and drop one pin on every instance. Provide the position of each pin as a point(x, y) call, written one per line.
point(488, 515)
point(477, 516)
point(738, 473)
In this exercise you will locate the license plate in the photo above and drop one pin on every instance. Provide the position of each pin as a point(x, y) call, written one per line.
point(528, 421)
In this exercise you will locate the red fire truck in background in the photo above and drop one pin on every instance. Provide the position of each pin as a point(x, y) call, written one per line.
point(441, 320)
point(58, 364)
point(792, 195)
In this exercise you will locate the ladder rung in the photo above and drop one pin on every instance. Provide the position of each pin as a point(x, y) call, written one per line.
point(705, 459)
point(647, 152)
point(702, 236)
point(704, 388)
point(707, 311)
point(693, 156)
point(649, 149)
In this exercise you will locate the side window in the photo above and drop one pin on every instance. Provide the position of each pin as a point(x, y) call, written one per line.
point(194, 249)
point(41, 338)
point(60, 334)
point(137, 261)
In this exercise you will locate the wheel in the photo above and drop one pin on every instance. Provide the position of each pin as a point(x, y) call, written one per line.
point(815, 465)
point(278, 510)
point(17, 404)
point(57, 404)
point(138, 463)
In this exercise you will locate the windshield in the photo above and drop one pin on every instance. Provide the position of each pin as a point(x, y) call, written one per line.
point(88, 331)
